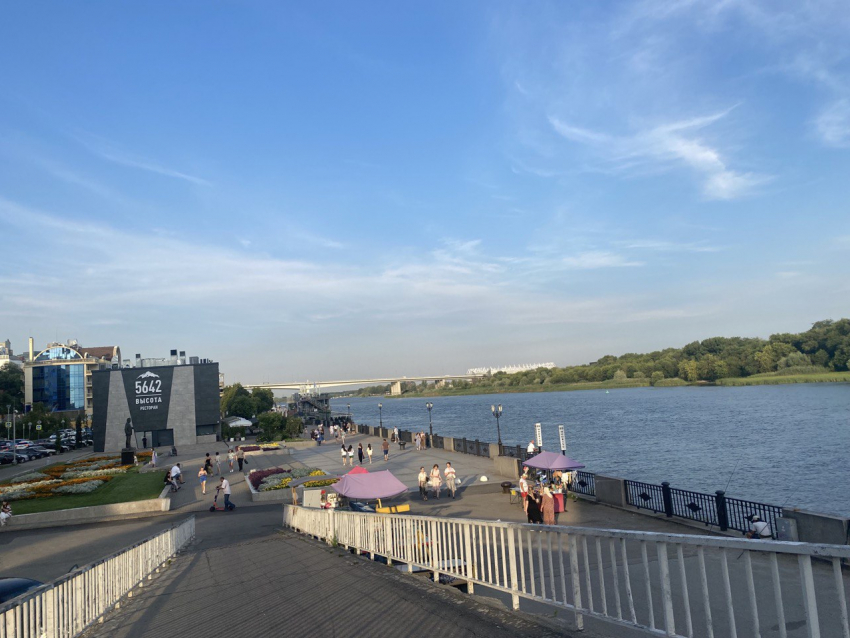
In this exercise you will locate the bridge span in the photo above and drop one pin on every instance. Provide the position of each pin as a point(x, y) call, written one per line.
point(395, 383)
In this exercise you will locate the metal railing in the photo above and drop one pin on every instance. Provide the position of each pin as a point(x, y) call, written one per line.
point(67, 606)
point(717, 510)
point(664, 584)
point(583, 483)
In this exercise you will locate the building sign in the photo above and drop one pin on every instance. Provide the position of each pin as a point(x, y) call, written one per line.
point(538, 432)
point(563, 438)
point(148, 391)
point(149, 396)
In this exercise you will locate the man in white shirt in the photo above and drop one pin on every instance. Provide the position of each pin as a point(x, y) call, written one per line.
point(759, 529)
point(177, 474)
point(451, 478)
point(530, 448)
point(224, 486)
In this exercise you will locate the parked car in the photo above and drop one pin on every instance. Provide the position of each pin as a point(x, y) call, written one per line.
point(13, 587)
point(32, 453)
point(22, 444)
point(40, 448)
point(6, 458)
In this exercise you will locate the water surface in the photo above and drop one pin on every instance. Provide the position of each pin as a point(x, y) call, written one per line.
point(784, 445)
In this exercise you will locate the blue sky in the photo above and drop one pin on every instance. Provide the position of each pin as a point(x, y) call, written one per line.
point(352, 190)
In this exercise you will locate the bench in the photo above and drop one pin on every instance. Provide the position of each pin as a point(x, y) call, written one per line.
point(394, 509)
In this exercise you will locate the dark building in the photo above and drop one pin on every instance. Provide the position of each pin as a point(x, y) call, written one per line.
point(169, 405)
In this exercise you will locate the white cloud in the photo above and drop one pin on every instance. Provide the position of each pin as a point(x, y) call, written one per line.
point(671, 247)
point(667, 146)
point(833, 124)
point(110, 152)
point(598, 259)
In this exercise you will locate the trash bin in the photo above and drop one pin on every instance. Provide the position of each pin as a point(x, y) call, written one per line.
point(506, 487)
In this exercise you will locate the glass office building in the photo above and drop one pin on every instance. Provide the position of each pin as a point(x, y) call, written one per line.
point(59, 377)
point(61, 386)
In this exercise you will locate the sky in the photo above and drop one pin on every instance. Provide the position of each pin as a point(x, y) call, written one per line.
point(307, 191)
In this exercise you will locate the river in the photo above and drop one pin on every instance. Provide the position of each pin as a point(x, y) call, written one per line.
point(783, 445)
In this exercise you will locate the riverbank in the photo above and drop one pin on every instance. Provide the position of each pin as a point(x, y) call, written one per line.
point(758, 379)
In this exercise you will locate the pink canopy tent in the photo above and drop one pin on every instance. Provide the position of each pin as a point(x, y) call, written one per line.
point(370, 485)
point(553, 461)
point(358, 470)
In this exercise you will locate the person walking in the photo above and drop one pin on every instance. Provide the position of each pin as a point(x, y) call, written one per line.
point(217, 464)
point(153, 457)
point(435, 480)
point(417, 441)
point(344, 453)
point(351, 455)
point(240, 456)
point(548, 507)
point(360, 453)
point(202, 477)
point(451, 479)
point(231, 457)
point(369, 452)
point(395, 434)
point(423, 483)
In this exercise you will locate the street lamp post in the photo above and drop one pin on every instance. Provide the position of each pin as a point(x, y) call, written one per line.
point(497, 412)
point(430, 406)
point(381, 415)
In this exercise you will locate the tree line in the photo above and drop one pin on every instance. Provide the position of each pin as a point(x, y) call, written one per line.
point(825, 347)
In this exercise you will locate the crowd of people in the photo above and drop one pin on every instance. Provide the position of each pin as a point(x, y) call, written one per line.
point(538, 495)
point(433, 481)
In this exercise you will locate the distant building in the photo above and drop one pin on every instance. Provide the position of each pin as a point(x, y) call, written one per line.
point(176, 358)
point(7, 356)
point(59, 377)
point(523, 367)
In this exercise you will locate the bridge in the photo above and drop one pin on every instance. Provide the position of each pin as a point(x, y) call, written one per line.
point(305, 387)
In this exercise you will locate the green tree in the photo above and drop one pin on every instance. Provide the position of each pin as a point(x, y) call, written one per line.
point(294, 428)
point(263, 399)
point(242, 406)
point(688, 370)
point(711, 368)
point(656, 377)
point(620, 376)
point(271, 426)
point(11, 387)
point(230, 394)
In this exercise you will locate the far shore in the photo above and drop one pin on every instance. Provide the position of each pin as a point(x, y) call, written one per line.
point(759, 379)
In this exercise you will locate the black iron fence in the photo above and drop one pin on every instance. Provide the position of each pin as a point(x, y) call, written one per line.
point(583, 483)
point(715, 510)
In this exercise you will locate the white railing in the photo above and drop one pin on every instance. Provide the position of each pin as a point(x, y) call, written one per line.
point(665, 584)
point(67, 606)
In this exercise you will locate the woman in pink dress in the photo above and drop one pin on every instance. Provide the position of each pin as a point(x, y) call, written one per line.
point(548, 507)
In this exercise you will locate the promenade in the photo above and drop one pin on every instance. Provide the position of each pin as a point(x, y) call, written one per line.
point(245, 573)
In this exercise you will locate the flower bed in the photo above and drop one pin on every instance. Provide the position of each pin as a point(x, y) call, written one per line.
point(281, 480)
point(79, 477)
point(257, 476)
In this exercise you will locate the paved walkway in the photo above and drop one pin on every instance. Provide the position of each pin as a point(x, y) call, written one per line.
point(285, 584)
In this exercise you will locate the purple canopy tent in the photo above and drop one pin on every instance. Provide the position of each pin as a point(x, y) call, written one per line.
point(372, 485)
point(553, 461)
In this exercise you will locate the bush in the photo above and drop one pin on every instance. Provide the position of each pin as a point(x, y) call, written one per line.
point(670, 383)
point(656, 377)
point(258, 476)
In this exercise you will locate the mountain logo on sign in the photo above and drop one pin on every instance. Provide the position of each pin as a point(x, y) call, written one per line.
point(148, 375)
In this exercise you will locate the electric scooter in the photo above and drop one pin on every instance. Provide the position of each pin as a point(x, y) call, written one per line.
point(215, 507)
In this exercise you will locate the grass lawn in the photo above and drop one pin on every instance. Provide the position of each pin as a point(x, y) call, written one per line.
point(773, 379)
point(123, 488)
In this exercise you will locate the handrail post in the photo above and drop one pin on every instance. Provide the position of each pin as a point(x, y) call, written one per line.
point(470, 559)
point(576, 578)
point(722, 513)
point(512, 564)
point(667, 497)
